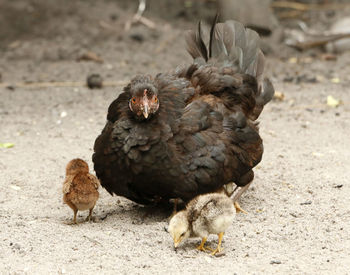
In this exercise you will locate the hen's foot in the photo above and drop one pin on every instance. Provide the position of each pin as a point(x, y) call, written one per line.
point(174, 209)
point(239, 209)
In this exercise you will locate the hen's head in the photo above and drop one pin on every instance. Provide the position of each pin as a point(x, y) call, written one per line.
point(144, 100)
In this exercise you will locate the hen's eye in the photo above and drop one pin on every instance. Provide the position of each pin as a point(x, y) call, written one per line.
point(133, 100)
point(156, 99)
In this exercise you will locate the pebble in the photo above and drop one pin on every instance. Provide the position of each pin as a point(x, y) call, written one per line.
point(94, 81)
point(275, 262)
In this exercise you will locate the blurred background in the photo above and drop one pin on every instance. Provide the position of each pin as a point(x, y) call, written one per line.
point(67, 40)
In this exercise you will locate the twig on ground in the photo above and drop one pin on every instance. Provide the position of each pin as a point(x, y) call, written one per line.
point(59, 84)
point(139, 18)
point(308, 7)
point(90, 56)
point(318, 41)
point(92, 240)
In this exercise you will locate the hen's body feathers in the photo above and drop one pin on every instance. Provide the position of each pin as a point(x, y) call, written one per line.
point(203, 135)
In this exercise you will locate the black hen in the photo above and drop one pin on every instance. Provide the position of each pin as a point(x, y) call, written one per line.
point(192, 131)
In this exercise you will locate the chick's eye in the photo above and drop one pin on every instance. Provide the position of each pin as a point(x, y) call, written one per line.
point(183, 234)
point(133, 100)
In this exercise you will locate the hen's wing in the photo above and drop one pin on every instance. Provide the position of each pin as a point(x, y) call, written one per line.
point(219, 146)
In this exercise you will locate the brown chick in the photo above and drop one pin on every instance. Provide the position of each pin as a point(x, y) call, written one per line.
point(80, 188)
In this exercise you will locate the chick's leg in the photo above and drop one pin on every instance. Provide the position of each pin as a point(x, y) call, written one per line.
point(75, 210)
point(218, 248)
point(75, 216)
point(89, 218)
point(201, 246)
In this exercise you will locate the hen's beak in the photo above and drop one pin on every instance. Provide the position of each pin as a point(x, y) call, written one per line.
point(145, 110)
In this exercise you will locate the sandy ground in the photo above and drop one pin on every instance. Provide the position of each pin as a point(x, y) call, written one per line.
point(299, 211)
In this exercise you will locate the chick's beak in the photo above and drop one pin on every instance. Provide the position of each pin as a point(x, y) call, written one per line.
point(176, 242)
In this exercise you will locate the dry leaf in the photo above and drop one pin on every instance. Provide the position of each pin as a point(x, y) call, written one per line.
point(90, 56)
point(335, 80)
point(293, 60)
point(278, 95)
point(328, 57)
point(332, 102)
point(6, 145)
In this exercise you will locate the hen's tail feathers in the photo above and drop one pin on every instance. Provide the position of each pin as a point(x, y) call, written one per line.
point(195, 44)
point(233, 45)
point(230, 44)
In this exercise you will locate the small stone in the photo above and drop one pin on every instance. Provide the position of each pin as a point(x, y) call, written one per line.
point(275, 262)
point(220, 254)
point(113, 16)
point(137, 37)
point(288, 79)
point(16, 246)
point(338, 186)
point(94, 81)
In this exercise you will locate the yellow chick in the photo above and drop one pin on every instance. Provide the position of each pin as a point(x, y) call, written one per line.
point(80, 188)
point(206, 214)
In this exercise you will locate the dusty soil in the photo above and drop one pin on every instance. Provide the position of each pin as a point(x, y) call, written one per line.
point(298, 206)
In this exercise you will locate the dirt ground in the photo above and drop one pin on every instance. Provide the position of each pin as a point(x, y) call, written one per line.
point(299, 211)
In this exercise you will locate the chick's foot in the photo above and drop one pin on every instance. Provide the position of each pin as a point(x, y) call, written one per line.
point(201, 247)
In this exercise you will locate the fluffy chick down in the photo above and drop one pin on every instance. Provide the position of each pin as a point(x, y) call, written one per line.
point(206, 214)
point(80, 188)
